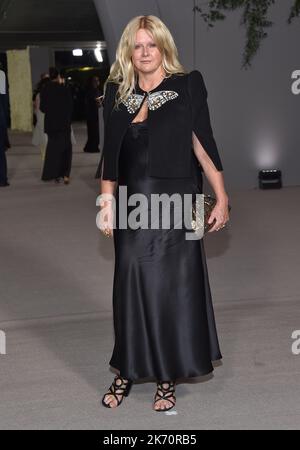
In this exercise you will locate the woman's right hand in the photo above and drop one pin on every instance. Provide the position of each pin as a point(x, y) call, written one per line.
point(106, 218)
point(107, 202)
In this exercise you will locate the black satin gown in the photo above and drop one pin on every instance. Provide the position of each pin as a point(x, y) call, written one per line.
point(163, 315)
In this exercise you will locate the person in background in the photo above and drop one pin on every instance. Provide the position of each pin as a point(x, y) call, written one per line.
point(92, 120)
point(7, 143)
point(39, 137)
point(56, 104)
point(64, 81)
point(3, 130)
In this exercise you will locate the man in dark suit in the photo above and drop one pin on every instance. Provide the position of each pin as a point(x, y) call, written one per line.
point(3, 130)
point(56, 103)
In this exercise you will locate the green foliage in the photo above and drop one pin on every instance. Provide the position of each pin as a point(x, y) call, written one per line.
point(254, 18)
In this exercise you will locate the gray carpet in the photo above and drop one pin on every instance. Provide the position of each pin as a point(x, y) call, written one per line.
point(55, 294)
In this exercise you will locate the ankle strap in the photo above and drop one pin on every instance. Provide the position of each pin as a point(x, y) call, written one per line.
point(171, 385)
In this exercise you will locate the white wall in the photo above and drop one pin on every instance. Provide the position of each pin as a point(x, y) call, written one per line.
point(255, 115)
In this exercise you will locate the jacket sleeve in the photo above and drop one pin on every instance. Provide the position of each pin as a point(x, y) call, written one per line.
point(201, 117)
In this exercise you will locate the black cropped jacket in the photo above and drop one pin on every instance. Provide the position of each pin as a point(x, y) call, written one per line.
point(179, 107)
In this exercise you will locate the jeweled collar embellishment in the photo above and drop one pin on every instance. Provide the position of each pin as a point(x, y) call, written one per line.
point(154, 99)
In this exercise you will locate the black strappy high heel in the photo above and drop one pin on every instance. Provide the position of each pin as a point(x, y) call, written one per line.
point(165, 394)
point(117, 390)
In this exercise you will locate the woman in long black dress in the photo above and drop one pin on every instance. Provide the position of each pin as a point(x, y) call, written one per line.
point(163, 315)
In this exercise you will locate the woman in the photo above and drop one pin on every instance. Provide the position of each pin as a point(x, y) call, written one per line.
point(56, 103)
point(39, 137)
point(155, 114)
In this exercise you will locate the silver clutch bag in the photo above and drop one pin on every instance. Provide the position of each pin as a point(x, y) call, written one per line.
point(200, 216)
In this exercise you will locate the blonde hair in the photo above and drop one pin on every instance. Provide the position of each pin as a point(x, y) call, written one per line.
point(123, 71)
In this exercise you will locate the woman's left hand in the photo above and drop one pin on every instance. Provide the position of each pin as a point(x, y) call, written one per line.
point(221, 213)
